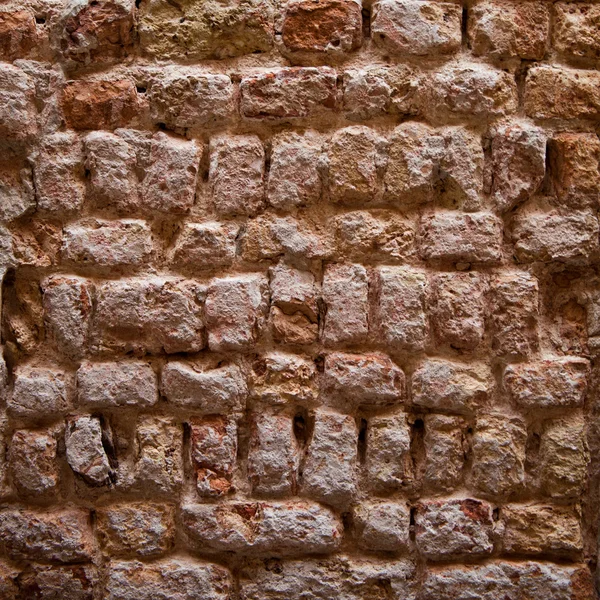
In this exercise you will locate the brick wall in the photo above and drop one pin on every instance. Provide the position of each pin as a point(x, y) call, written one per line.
point(300, 300)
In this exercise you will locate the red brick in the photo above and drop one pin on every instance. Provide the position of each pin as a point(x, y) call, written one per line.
point(18, 35)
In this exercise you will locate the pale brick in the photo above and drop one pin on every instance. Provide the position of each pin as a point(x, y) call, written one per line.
point(540, 529)
point(184, 98)
point(454, 529)
point(261, 528)
point(107, 243)
point(353, 156)
point(289, 93)
point(58, 173)
point(416, 27)
point(509, 29)
point(38, 393)
point(274, 455)
point(235, 311)
point(214, 450)
point(351, 380)
point(559, 93)
point(294, 175)
point(169, 185)
point(201, 246)
point(382, 526)
point(563, 457)
point(554, 236)
point(122, 383)
point(559, 383)
point(518, 163)
point(498, 447)
point(67, 313)
point(43, 582)
point(207, 391)
point(236, 174)
point(575, 30)
point(575, 169)
point(514, 314)
point(388, 460)
point(158, 461)
point(445, 448)
point(398, 312)
point(16, 190)
point(173, 578)
point(443, 385)
point(149, 315)
point(85, 450)
point(329, 470)
point(458, 237)
point(33, 462)
point(18, 115)
point(136, 529)
point(63, 535)
point(458, 309)
point(346, 298)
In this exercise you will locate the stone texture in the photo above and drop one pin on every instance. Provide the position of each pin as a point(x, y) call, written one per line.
point(16, 191)
point(43, 582)
point(202, 246)
point(445, 448)
point(18, 34)
point(18, 114)
point(575, 31)
point(38, 393)
point(382, 526)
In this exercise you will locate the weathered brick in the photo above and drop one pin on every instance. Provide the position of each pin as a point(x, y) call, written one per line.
point(387, 458)
point(149, 315)
point(58, 173)
point(273, 456)
point(444, 452)
point(63, 535)
point(458, 309)
point(33, 462)
point(329, 470)
point(346, 298)
point(136, 529)
point(289, 93)
point(235, 311)
point(18, 35)
point(444, 385)
point(277, 528)
point(518, 163)
point(454, 528)
point(99, 104)
point(509, 29)
point(158, 457)
point(207, 391)
point(558, 383)
point(185, 98)
point(514, 314)
point(353, 155)
point(44, 582)
point(560, 93)
point(382, 526)
point(8, 581)
point(498, 447)
point(107, 243)
point(18, 115)
point(555, 236)
point(332, 26)
point(458, 237)
point(351, 380)
point(398, 311)
point(294, 174)
point(540, 529)
point(237, 167)
point(175, 578)
point(575, 169)
point(38, 393)
point(85, 450)
point(563, 457)
point(416, 27)
point(122, 383)
point(170, 182)
point(67, 312)
point(16, 190)
point(100, 33)
point(207, 30)
point(214, 450)
point(202, 246)
point(575, 30)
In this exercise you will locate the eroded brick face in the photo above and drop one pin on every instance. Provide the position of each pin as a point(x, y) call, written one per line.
point(300, 299)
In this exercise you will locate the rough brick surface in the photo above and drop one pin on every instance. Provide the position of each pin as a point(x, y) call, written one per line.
point(300, 299)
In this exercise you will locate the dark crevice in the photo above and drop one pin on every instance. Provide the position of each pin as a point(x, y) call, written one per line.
point(417, 447)
point(366, 23)
point(362, 441)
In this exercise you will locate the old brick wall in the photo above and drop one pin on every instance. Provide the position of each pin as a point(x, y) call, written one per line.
point(300, 300)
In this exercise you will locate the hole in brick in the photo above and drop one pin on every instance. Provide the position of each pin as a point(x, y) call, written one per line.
point(496, 514)
point(366, 22)
point(417, 445)
point(320, 363)
point(413, 512)
point(40, 20)
point(273, 565)
point(161, 126)
point(302, 425)
point(335, 43)
point(348, 522)
point(109, 448)
point(137, 3)
point(141, 89)
point(463, 26)
point(362, 441)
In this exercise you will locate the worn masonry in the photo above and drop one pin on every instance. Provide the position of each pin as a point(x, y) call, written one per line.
point(300, 300)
